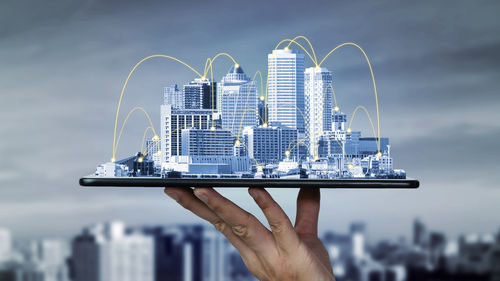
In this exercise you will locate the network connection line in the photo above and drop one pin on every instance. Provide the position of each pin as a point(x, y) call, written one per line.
point(371, 74)
point(369, 119)
point(261, 96)
point(211, 61)
point(113, 158)
point(144, 137)
point(115, 146)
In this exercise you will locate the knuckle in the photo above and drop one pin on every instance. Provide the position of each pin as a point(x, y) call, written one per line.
point(241, 231)
point(220, 226)
point(277, 226)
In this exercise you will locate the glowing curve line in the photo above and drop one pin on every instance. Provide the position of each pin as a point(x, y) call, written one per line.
point(369, 119)
point(261, 82)
point(298, 44)
point(310, 46)
point(214, 58)
point(115, 147)
point(371, 73)
point(144, 137)
point(125, 86)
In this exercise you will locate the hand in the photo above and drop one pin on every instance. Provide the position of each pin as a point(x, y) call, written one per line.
point(284, 253)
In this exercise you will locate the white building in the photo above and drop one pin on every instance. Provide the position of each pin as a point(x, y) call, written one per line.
point(318, 105)
point(237, 101)
point(173, 96)
point(172, 123)
point(286, 89)
point(111, 169)
point(105, 252)
point(209, 164)
point(5, 244)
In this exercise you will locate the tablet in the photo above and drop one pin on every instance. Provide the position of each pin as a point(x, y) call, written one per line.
point(243, 182)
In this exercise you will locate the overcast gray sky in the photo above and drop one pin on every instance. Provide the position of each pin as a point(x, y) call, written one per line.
point(62, 65)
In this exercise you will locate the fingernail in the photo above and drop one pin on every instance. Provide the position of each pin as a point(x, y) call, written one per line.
point(172, 194)
point(201, 195)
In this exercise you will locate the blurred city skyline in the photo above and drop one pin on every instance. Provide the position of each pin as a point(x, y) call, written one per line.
point(63, 64)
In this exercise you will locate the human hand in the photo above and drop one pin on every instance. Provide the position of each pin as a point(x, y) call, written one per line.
point(286, 252)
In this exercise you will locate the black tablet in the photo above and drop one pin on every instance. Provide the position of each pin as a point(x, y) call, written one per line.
point(247, 182)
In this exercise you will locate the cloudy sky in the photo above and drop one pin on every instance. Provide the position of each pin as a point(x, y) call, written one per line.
point(62, 65)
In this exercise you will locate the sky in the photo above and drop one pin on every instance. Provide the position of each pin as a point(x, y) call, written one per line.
point(63, 63)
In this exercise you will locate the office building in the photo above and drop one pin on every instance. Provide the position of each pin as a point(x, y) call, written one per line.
point(286, 89)
point(174, 121)
point(318, 105)
point(369, 145)
point(190, 253)
point(206, 142)
point(173, 96)
point(270, 144)
point(105, 252)
point(200, 94)
point(5, 244)
point(237, 100)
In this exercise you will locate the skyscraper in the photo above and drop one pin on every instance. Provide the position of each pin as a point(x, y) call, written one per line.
point(237, 100)
point(286, 89)
point(318, 105)
point(105, 252)
point(200, 94)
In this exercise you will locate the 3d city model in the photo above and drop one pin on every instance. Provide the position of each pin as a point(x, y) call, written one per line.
point(289, 127)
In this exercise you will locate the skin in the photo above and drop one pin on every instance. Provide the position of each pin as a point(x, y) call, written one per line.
point(285, 252)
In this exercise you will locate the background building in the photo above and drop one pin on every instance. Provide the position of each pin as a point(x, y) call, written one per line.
point(285, 90)
point(105, 252)
point(5, 244)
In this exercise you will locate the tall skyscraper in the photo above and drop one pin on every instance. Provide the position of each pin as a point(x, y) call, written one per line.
point(286, 89)
point(200, 94)
point(5, 244)
point(105, 252)
point(237, 100)
point(318, 105)
point(173, 96)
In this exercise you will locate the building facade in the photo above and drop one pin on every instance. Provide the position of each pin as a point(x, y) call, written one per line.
point(206, 142)
point(286, 89)
point(237, 100)
point(270, 144)
point(318, 105)
point(173, 96)
point(200, 94)
point(174, 121)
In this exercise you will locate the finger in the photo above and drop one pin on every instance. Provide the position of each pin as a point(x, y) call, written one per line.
point(243, 224)
point(306, 221)
point(280, 224)
point(186, 198)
